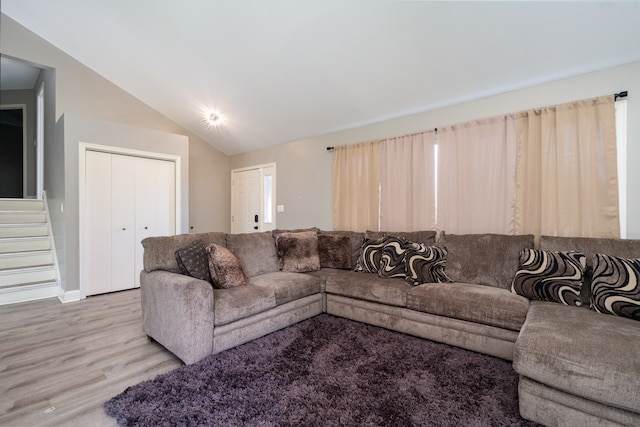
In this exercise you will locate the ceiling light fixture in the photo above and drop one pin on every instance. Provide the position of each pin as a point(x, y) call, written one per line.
point(213, 121)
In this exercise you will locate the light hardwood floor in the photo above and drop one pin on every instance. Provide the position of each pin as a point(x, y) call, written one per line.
point(60, 362)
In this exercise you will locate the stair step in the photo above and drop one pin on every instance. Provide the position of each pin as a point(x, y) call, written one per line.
point(23, 230)
point(21, 205)
point(28, 292)
point(24, 244)
point(23, 276)
point(25, 259)
point(21, 217)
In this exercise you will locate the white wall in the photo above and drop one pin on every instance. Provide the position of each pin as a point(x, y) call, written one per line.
point(305, 167)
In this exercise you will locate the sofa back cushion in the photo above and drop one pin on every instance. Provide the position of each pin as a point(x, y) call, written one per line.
point(159, 252)
point(484, 259)
point(590, 246)
point(428, 237)
point(256, 252)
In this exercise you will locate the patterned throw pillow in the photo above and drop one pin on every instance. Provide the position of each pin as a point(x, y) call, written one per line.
point(425, 264)
point(192, 260)
point(392, 258)
point(550, 276)
point(615, 286)
point(225, 268)
point(370, 255)
point(298, 251)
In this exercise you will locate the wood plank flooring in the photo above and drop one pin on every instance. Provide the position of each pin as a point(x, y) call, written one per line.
point(60, 362)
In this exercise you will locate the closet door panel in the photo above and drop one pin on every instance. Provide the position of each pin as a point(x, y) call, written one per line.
point(154, 203)
point(98, 222)
point(123, 198)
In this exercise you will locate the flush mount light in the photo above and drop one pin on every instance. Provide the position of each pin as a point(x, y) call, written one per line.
point(213, 121)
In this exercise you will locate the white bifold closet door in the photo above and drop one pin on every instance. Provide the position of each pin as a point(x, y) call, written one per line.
point(127, 199)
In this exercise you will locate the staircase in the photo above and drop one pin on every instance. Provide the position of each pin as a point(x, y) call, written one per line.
point(27, 262)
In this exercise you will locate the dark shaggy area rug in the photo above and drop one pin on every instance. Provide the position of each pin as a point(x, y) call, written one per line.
point(329, 371)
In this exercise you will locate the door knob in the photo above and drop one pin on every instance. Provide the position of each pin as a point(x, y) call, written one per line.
point(255, 228)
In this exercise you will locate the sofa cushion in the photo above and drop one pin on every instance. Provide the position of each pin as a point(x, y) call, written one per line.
point(356, 239)
point(192, 260)
point(256, 252)
point(581, 352)
point(288, 286)
point(368, 287)
point(425, 264)
point(392, 258)
point(237, 303)
point(428, 237)
point(550, 276)
point(322, 275)
point(486, 305)
point(370, 256)
point(298, 252)
point(334, 251)
point(159, 252)
point(590, 246)
point(615, 286)
point(225, 268)
point(484, 259)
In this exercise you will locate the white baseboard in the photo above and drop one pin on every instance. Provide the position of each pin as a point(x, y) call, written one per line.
point(69, 296)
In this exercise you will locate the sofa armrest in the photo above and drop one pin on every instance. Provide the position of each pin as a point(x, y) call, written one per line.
point(177, 312)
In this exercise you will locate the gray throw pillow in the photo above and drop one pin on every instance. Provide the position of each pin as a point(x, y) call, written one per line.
point(550, 276)
point(425, 264)
point(226, 271)
point(615, 286)
point(298, 252)
point(192, 260)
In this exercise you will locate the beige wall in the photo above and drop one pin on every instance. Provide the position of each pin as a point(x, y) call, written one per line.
point(304, 167)
point(80, 90)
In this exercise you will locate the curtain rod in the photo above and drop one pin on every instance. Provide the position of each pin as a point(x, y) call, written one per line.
point(616, 96)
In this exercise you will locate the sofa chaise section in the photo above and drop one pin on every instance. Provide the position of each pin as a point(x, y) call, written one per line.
point(579, 367)
point(574, 359)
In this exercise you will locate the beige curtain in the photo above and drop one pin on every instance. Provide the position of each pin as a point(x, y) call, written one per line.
point(476, 177)
point(407, 182)
point(566, 181)
point(356, 186)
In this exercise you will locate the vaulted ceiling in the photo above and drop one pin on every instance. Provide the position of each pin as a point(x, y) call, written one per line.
point(284, 70)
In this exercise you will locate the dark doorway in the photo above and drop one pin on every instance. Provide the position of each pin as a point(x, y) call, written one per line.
point(11, 152)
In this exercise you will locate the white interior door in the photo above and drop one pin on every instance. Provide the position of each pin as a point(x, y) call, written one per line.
point(123, 196)
point(155, 204)
point(97, 259)
point(127, 199)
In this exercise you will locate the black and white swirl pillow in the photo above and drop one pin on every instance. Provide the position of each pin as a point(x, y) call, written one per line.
point(392, 259)
point(550, 276)
point(370, 255)
point(425, 264)
point(615, 286)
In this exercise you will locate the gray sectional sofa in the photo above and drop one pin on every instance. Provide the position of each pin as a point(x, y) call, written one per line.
point(576, 366)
